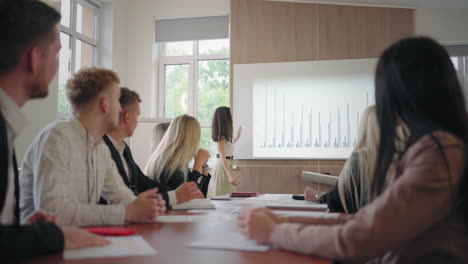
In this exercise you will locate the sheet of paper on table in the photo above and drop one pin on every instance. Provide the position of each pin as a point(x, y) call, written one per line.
point(305, 213)
point(297, 205)
point(271, 197)
point(119, 247)
point(195, 204)
point(229, 241)
point(194, 218)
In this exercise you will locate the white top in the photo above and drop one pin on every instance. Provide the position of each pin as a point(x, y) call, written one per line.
point(15, 122)
point(121, 148)
point(228, 148)
point(65, 171)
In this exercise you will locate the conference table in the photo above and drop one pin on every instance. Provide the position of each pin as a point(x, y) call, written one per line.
point(171, 240)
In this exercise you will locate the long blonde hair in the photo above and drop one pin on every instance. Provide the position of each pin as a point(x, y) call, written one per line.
point(176, 149)
point(355, 183)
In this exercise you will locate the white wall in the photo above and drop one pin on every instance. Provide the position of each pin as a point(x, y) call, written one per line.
point(120, 39)
point(39, 113)
point(444, 25)
point(113, 32)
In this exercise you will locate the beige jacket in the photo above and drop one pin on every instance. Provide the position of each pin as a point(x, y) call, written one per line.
point(412, 221)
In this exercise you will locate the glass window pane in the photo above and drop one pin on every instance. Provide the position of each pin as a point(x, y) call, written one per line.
point(213, 87)
point(64, 71)
point(84, 55)
point(214, 46)
point(176, 83)
point(181, 48)
point(465, 73)
point(455, 62)
point(86, 19)
point(66, 12)
point(206, 142)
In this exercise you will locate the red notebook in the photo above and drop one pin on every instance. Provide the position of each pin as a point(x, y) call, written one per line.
point(244, 194)
point(111, 231)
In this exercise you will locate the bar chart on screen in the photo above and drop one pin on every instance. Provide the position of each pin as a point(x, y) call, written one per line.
point(309, 117)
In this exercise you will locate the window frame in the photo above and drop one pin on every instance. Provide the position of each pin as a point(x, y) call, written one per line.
point(75, 36)
point(192, 61)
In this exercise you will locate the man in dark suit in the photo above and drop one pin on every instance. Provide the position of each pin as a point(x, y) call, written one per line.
point(131, 174)
point(28, 61)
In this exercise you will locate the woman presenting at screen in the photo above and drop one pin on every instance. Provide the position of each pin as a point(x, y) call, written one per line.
point(222, 181)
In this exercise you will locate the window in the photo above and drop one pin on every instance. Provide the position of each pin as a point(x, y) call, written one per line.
point(78, 36)
point(461, 66)
point(194, 80)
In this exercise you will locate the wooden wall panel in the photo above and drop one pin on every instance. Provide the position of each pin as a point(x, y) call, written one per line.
point(306, 19)
point(266, 31)
point(283, 38)
point(243, 35)
point(350, 32)
point(281, 176)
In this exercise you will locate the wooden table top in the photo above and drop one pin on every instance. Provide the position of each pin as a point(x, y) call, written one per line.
point(171, 240)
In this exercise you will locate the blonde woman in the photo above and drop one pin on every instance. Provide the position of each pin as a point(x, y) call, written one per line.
point(353, 188)
point(168, 164)
point(355, 185)
point(159, 131)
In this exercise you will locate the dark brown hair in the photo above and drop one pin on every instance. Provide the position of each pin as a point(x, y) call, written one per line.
point(87, 83)
point(23, 24)
point(128, 97)
point(416, 82)
point(221, 126)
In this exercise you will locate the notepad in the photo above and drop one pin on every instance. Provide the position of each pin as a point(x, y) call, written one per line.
point(244, 194)
point(119, 247)
point(271, 197)
point(298, 206)
point(305, 213)
point(229, 241)
point(225, 197)
point(195, 204)
point(193, 218)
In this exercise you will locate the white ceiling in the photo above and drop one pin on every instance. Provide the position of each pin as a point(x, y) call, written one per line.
point(396, 3)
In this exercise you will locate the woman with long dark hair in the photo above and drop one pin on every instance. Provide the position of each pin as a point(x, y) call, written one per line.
point(418, 213)
point(223, 181)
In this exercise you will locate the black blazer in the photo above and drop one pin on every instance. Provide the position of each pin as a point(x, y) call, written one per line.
point(332, 198)
point(139, 181)
point(178, 178)
point(16, 241)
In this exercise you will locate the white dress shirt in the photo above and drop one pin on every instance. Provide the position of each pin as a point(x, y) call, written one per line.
point(65, 172)
point(15, 122)
point(121, 148)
